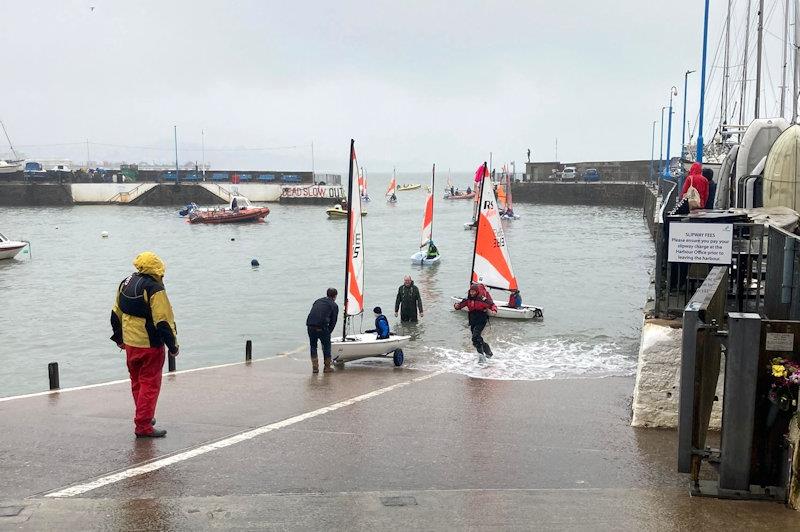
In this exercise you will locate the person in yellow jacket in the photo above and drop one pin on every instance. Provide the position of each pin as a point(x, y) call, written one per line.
point(143, 323)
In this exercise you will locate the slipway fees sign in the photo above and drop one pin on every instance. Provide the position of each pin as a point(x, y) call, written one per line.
point(700, 243)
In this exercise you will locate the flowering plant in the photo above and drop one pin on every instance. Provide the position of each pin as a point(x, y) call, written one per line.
point(787, 376)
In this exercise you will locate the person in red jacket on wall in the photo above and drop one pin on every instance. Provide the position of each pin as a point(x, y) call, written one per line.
point(479, 303)
point(698, 181)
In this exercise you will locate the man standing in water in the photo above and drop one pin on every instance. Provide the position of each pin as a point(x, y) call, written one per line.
point(408, 301)
point(143, 323)
point(320, 323)
point(478, 302)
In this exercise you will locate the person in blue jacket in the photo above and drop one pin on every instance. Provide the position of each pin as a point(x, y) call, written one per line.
point(381, 324)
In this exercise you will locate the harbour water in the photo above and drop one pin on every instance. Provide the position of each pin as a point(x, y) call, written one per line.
point(587, 266)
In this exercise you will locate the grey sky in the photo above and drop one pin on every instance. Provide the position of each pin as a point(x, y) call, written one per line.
point(412, 82)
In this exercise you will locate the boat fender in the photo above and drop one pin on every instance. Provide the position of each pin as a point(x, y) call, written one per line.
point(104, 234)
point(233, 239)
point(254, 263)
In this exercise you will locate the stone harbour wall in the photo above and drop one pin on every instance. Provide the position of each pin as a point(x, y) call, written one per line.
point(616, 194)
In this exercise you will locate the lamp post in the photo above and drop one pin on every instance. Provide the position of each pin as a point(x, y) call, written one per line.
point(653, 151)
point(683, 122)
point(673, 91)
point(684, 154)
point(661, 145)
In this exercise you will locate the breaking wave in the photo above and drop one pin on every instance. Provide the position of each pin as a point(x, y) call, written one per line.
point(552, 358)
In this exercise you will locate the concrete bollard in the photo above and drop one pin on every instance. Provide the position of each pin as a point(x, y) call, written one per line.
point(248, 351)
point(170, 363)
point(52, 374)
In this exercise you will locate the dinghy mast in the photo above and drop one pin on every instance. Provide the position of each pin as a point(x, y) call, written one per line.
point(354, 252)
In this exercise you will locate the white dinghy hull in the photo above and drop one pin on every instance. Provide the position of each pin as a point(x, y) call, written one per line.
point(420, 258)
point(366, 345)
point(525, 312)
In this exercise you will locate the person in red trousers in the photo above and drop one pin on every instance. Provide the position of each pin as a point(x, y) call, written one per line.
point(143, 323)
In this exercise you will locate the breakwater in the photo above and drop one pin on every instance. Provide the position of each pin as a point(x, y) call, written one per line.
point(152, 194)
point(159, 194)
point(612, 194)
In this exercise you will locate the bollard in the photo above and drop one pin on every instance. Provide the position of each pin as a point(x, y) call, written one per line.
point(171, 363)
point(248, 351)
point(52, 374)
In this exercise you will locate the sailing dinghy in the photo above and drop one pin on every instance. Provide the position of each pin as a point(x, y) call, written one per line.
point(391, 192)
point(427, 254)
point(362, 345)
point(480, 174)
point(491, 262)
point(507, 207)
point(362, 184)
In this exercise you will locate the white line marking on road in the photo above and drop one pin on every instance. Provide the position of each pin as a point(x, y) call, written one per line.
point(120, 381)
point(227, 442)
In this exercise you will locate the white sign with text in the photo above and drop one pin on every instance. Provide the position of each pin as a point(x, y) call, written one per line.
point(700, 243)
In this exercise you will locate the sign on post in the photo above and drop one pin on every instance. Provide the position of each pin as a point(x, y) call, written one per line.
point(700, 243)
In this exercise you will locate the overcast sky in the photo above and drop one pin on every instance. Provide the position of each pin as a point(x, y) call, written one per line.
point(412, 82)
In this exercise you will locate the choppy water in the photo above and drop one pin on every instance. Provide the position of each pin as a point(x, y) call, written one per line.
point(587, 266)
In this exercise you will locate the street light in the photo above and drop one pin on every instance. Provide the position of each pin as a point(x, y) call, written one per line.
point(653, 151)
point(684, 151)
point(672, 92)
point(661, 145)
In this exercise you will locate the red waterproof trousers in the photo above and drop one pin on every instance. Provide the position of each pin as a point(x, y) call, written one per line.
point(145, 365)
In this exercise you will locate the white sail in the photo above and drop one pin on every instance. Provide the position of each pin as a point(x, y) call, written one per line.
point(491, 261)
point(354, 303)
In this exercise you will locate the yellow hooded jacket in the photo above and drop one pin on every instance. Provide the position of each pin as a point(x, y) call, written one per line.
point(142, 315)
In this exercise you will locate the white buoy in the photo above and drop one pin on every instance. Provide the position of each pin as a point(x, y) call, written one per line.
point(104, 234)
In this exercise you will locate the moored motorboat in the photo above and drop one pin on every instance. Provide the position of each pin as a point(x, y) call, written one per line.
point(337, 211)
point(239, 211)
point(10, 248)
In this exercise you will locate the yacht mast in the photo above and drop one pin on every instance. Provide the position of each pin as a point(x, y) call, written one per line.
point(796, 78)
point(743, 95)
point(723, 115)
point(759, 54)
point(785, 59)
point(9, 140)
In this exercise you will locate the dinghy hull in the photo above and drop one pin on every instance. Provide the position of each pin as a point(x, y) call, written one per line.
point(365, 345)
point(526, 312)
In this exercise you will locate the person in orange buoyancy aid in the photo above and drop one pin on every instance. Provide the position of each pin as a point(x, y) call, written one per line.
point(479, 303)
point(143, 323)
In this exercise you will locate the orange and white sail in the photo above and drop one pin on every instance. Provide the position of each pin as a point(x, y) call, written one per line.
point(392, 186)
point(426, 235)
point(502, 199)
point(354, 298)
point(491, 263)
point(362, 182)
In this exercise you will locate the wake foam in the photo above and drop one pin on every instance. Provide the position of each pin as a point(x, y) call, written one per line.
point(552, 358)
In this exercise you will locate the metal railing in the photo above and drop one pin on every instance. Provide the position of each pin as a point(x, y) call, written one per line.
point(127, 197)
point(746, 273)
point(782, 276)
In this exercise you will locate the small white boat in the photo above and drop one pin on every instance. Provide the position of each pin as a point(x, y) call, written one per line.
point(426, 244)
point(421, 258)
point(348, 347)
point(10, 166)
point(525, 312)
point(367, 345)
point(10, 248)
